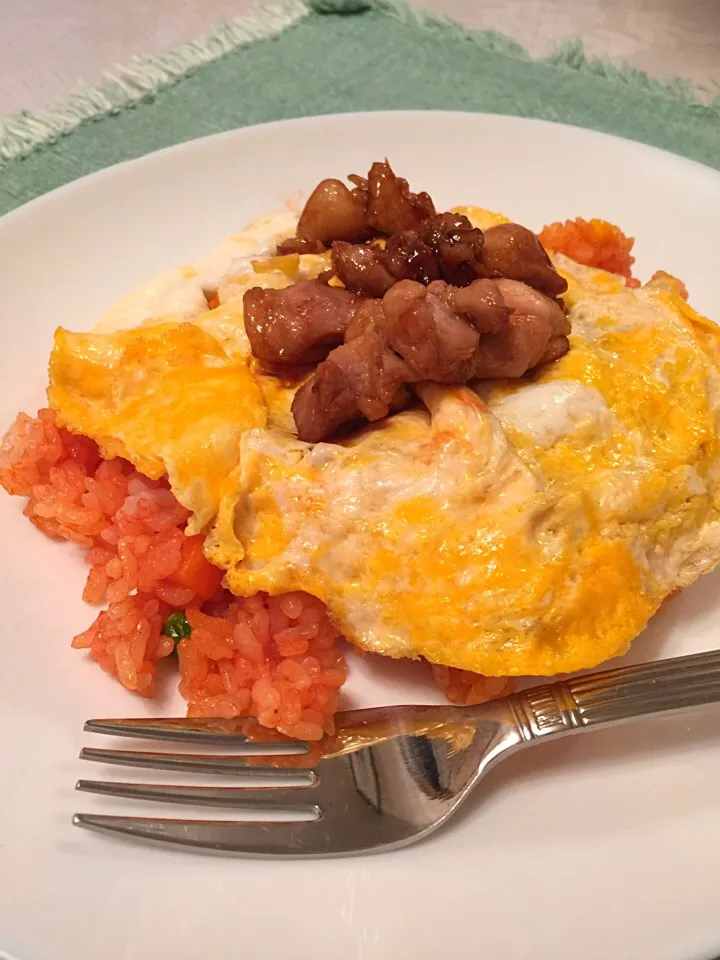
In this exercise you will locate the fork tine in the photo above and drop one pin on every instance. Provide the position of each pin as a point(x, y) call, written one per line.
point(235, 766)
point(181, 730)
point(278, 840)
point(193, 730)
point(292, 799)
point(253, 838)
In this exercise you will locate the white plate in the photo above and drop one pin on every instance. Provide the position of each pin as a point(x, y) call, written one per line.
point(605, 846)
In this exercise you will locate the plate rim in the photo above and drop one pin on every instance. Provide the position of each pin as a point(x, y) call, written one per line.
point(197, 143)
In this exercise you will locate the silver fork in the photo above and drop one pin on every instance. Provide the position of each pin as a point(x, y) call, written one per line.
point(390, 776)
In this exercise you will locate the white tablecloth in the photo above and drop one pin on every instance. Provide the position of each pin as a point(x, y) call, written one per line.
point(47, 47)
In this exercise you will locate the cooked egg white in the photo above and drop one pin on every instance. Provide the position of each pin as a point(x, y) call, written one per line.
point(181, 293)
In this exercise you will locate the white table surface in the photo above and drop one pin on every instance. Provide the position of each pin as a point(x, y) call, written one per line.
point(48, 47)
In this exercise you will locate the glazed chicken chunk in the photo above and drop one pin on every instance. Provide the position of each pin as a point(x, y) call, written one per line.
point(425, 296)
point(445, 334)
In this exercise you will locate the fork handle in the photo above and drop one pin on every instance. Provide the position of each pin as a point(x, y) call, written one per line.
point(615, 696)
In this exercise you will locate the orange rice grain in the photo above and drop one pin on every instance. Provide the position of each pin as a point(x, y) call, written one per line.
point(595, 243)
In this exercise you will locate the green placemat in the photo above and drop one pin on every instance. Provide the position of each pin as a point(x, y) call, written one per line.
point(301, 58)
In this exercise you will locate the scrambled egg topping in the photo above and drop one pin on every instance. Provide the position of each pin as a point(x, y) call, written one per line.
point(524, 527)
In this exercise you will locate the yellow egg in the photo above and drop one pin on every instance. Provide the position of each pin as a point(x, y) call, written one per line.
point(169, 398)
point(478, 217)
point(525, 527)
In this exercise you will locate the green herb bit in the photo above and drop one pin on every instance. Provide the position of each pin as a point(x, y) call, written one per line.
point(176, 627)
